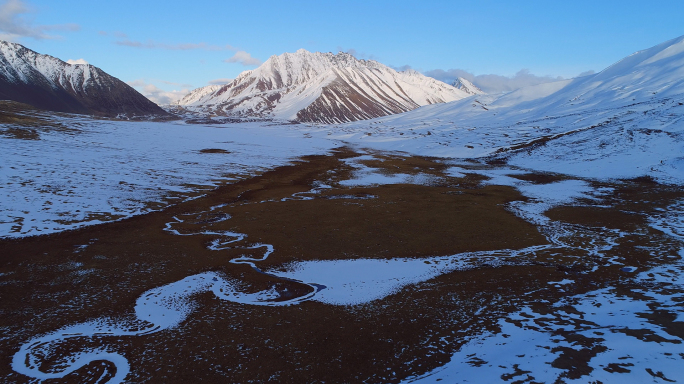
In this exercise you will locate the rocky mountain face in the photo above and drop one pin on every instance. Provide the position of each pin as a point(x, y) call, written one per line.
point(467, 87)
point(49, 83)
point(320, 87)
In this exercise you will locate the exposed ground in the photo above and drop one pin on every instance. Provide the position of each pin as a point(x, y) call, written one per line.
point(314, 210)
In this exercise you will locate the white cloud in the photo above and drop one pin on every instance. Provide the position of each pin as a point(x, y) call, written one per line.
point(118, 34)
point(77, 61)
point(220, 81)
point(493, 83)
point(401, 68)
point(14, 26)
point(156, 94)
point(151, 44)
point(243, 58)
point(136, 83)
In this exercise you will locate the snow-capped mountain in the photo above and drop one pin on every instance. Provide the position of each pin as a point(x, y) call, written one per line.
point(644, 76)
point(199, 93)
point(321, 87)
point(625, 121)
point(49, 83)
point(467, 87)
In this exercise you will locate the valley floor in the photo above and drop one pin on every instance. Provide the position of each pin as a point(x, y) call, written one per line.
point(225, 256)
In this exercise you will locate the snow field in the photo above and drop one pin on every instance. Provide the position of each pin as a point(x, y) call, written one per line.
point(108, 170)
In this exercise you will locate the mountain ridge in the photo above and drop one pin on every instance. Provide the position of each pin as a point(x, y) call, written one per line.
point(642, 76)
point(320, 88)
point(49, 83)
point(467, 86)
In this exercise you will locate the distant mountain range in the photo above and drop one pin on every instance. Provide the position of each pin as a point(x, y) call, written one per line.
point(332, 88)
point(49, 83)
point(625, 121)
point(322, 88)
point(657, 72)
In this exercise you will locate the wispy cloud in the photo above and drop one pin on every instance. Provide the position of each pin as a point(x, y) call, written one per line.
point(493, 83)
point(176, 84)
point(240, 57)
point(357, 54)
point(220, 81)
point(156, 94)
point(14, 24)
point(77, 61)
point(151, 44)
point(118, 34)
point(401, 68)
point(243, 58)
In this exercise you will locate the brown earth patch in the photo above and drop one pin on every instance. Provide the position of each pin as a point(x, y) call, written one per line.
point(50, 281)
point(539, 178)
point(213, 150)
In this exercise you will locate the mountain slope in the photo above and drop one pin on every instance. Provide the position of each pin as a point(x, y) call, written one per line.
point(644, 76)
point(49, 83)
point(625, 121)
point(321, 87)
point(467, 87)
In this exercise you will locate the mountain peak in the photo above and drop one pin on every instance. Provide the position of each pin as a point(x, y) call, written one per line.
point(49, 83)
point(411, 71)
point(321, 87)
point(467, 87)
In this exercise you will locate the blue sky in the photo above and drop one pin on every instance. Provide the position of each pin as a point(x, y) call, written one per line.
point(178, 45)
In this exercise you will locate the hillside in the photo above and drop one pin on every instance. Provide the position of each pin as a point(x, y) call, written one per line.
point(48, 83)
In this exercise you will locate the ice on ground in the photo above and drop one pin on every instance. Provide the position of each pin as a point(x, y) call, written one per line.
point(541, 197)
point(546, 196)
point(358, 281)
point(670, 220)
point(364, 176)
point(531, 346)
point(561, 192)
point(370, 177)
point(350, 282)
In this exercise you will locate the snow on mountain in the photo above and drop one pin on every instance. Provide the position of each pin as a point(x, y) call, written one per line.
point(625, 121)
point(321, 87)
point(199, 93)
point(467, 87)
point(49, 83)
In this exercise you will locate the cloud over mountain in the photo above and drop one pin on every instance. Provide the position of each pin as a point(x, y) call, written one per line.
point(77, 61)
point(493, 83)
point(243, 58)
point(158, 95)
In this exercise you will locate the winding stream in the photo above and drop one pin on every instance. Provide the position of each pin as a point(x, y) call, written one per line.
point(337, 282)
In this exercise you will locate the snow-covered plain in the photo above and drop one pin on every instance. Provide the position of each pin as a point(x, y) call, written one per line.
point(97, 171)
